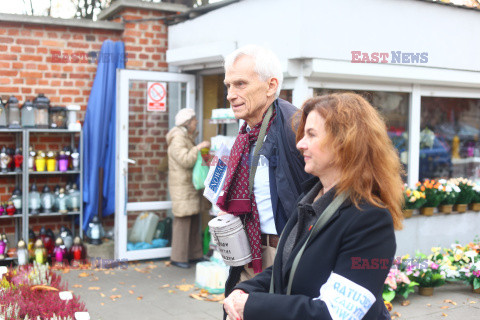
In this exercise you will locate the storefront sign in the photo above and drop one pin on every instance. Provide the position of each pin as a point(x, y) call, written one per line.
point(157, 96)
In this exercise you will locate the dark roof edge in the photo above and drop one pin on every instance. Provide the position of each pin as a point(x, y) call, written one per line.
point(49, 21)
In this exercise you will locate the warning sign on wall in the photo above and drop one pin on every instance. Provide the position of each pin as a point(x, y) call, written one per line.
point(157, 96)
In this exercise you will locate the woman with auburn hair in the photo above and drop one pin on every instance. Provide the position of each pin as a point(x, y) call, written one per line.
point(335, 253)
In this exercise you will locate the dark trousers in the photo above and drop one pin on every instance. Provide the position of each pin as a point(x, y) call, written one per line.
point(186, 241)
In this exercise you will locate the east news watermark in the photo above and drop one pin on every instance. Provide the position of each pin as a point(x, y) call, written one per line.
point(394, 57)
point(93, 57)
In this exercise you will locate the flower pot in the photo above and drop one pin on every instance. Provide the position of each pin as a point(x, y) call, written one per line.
point(446, 208)
point(425, 291)
point(475, 290)
point(460, 208)
point(407, 213)
point(475, 206)
point(427, 211)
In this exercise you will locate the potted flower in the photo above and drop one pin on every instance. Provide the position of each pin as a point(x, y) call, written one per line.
point(466, 194)
point(471, 275)
point(397, 283)
point(427, 274)
point(451, 192)
point(414, 199)
point(434, 196)
point(475, 205)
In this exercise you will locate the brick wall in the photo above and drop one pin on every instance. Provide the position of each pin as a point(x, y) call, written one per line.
point(60, 62)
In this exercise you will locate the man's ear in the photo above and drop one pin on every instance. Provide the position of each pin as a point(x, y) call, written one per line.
point(272, 87)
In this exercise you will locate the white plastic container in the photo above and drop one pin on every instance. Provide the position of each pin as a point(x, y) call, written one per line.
point(211, 276)
point(144, 228)
point(231, 240)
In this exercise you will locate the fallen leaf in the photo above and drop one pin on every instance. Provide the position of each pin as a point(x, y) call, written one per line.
point(94, 288)
point(216, 298)
point(159, 276)
point(121, 283)
point(185, 287)
point(102, 303)
point(115, 297)
point(444, 314)
point(66, 270)
point(77, 286)
point(102, 295)
point(149, 277)
point(114, 289)
point(405, 303)
point(130, 291)
point(83, 275)
point(139, 297)
point(152, 266)
point(196, 296)
point(133, 286)
point(444, 307)
point(450, 301)
point(167, 263)
point(43, 288)
point(165, 286)
point(171, 291)
point(396, 314)
point(429, 305)
point(473, 301)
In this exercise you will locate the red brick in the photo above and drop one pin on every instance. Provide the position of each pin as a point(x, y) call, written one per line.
point(31, 82)
point(10, 73)
point(27, 57)
point(78, 45)
point(13, 32)
point(53, 43)
point(27, 74)
point(6, 40)
point(9, 89)
point(30, 42)
point(3, 48)
point(8, 57)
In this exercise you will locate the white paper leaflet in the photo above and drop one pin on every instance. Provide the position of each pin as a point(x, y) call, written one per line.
point(345, 299)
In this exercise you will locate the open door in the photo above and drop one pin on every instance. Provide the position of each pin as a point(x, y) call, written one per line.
point(146, 106)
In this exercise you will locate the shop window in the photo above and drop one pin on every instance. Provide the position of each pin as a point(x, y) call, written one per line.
point(393, 106)
point(449, 138)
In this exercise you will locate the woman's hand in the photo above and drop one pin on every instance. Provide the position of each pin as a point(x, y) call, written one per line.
point(235, 303)
point(203, 144)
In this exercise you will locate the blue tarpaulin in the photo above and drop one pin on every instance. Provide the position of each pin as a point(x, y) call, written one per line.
point(99, 132)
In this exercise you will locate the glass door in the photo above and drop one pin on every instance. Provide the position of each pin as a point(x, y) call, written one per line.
point(147, 103)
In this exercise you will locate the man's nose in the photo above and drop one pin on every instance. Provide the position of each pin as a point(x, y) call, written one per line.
point(231, 94)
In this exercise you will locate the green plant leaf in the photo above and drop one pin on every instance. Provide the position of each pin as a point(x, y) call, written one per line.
point(388, 296)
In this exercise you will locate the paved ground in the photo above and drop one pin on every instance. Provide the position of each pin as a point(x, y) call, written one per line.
point(140, 292)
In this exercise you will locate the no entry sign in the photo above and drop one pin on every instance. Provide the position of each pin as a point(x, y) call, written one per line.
point(157, 96)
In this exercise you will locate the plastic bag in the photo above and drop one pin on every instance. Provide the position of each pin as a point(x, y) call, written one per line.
point(217, 174)
point(200, 172)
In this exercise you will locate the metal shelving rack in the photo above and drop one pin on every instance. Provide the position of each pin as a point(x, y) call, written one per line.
point(19, 217)
point(27, 174)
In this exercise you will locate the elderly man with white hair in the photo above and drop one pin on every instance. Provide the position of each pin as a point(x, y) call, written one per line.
point(253, 77)
point(182, 155)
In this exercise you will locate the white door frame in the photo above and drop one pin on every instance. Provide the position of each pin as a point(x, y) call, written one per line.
point(121, 162)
